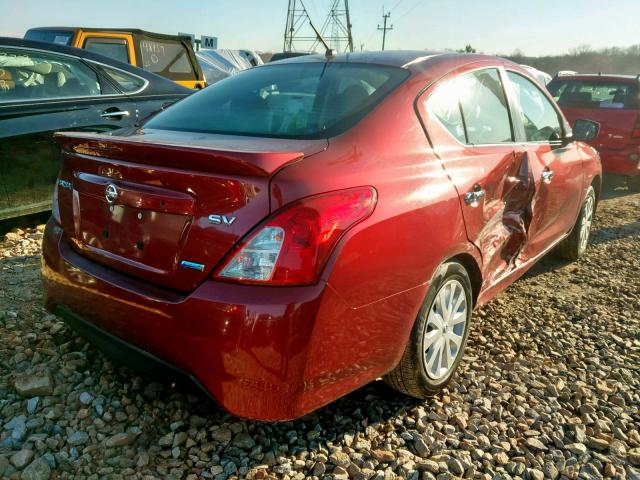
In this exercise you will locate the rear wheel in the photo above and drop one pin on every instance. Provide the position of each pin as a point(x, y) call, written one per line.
point(574, 246)
point(438, 337)
point(634, 183)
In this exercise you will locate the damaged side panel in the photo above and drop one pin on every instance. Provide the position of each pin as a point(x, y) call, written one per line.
point(498, 222)
point(502, 231)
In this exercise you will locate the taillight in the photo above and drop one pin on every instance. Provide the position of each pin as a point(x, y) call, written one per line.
point(293, 246)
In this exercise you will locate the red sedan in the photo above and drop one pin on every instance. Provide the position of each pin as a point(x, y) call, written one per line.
point(613, 101)
point(300, 229)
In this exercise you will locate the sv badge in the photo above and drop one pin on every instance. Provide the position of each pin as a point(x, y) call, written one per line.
point(221, 220)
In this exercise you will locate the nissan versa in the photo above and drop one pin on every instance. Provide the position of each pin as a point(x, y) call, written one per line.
point(300, 229)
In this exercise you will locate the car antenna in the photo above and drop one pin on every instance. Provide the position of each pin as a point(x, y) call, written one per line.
point(329, 52)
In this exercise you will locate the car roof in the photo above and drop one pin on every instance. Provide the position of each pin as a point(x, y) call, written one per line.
point(393, 58)
point(136, 31)
point(156, 81)
point(414, 60)
point(598, 76)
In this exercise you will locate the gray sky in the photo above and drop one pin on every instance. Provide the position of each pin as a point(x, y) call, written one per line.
point(491, 26)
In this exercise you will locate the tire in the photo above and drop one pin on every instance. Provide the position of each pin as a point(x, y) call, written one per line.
point(574, 246)
point(415, 375)
point(634, 184)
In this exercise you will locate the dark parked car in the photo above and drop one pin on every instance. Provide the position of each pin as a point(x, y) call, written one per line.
point(304, 227)
point(46, 88)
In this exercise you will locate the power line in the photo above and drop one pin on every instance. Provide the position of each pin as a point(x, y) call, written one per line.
point(395, 6)
point(411, 9)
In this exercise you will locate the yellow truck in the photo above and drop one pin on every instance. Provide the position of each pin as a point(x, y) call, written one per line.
point(171, 56)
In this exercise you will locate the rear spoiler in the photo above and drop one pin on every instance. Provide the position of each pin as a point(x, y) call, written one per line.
point(199, 158)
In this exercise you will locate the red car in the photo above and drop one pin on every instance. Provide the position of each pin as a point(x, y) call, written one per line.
point(293, 232)
point(613, 101)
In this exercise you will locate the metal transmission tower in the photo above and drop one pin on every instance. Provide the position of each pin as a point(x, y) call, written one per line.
point(336, 29)
point(297, 19)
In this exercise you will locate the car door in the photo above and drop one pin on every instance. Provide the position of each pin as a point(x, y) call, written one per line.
point(556, 165)
point(47, 92)
point(468, 119)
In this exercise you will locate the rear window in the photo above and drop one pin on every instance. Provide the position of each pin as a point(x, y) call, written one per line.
point(168, 58)
point(594, 93)
point(61, 37)
point(299, 101)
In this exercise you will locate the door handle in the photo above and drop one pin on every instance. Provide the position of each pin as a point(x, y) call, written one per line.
point(547, 175)
point(115, 114)
point(472, 198)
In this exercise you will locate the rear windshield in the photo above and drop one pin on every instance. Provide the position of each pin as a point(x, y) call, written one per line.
point(169, 58)
point(594, 93)
point(299, 101)
point(61, 37)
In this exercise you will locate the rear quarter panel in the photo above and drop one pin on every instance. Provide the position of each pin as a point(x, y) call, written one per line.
point(383, 266)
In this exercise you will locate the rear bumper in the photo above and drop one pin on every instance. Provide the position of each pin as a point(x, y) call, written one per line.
point(263, 353)
point(618, 161)
point(122, 351)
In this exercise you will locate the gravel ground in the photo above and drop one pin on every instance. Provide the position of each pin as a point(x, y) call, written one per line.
point(550, 388)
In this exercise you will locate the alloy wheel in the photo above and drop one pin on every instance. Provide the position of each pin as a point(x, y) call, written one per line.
point(445, 329)
point(587, 219)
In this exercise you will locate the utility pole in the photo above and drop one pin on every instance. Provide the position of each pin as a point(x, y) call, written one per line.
point(385, 29)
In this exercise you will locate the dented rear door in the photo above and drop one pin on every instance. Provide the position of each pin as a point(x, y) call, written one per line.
point(469, 123)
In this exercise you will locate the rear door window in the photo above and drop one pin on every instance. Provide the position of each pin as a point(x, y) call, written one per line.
point(115, 48)
point(127, 82)
point(445, 105)
point(608, 94)
point(474, 108)
point(26, 75)
point(540, 119)
point(484, 107)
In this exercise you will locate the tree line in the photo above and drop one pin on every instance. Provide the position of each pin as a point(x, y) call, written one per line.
point(584, 59)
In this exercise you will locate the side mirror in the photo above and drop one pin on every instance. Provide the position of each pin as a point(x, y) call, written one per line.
point(585, 130)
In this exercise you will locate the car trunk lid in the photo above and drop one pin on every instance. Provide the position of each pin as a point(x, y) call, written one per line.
point(166, 207)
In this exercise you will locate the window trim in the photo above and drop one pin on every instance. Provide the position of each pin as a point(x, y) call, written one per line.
point(516, 101)
point(510, 106)
point(88, 63)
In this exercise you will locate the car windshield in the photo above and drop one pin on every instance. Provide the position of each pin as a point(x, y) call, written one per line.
point(61, 37)
point(300, 101)
point(594, 93)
